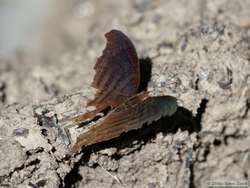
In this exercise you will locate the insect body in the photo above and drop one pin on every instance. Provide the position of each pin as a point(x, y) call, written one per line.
point(117, 81)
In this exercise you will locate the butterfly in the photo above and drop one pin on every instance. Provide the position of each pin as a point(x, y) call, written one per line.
point(117, 80)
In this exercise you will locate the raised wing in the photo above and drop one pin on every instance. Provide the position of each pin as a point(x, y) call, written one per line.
point(130, 115)
point(117, 71)
point(117, 75)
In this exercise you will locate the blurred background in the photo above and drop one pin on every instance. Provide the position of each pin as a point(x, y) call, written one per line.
point(48, 47)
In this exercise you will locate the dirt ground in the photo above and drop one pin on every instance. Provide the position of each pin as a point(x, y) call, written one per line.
point(195, 50)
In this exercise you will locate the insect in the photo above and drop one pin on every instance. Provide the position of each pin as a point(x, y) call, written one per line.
point(117, 81)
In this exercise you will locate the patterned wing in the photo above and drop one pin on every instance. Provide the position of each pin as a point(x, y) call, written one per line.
point(117, 71)
point(117, 75)
point(130, 115)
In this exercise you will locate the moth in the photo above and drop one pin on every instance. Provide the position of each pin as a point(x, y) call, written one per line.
point(117, 80)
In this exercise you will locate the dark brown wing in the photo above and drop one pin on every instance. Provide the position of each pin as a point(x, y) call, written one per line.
point(132, 114)
point(117, 71)
point(117, 75)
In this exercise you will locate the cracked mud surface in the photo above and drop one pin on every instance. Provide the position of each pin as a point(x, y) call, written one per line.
point(200, 54)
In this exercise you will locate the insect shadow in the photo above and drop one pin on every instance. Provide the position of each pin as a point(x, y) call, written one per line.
point(145, 73)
